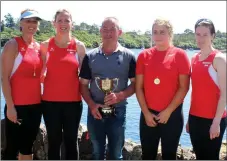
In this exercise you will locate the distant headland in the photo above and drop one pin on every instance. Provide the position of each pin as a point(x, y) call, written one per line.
point(90, 35)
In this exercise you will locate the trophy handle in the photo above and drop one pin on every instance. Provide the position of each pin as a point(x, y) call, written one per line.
point(97, 78)
point(115, 79)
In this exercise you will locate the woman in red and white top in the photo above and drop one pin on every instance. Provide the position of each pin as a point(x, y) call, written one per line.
point(21, 66)
point(207, 117)
point(62, 100)
point(162, 81)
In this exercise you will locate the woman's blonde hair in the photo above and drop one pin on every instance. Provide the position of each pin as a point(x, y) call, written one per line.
point(62, 11)
point(167, 24)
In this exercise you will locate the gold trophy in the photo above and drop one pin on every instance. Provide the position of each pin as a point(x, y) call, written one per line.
point(107, 86)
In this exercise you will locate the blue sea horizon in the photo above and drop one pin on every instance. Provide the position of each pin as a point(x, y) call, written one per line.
point(133, 113)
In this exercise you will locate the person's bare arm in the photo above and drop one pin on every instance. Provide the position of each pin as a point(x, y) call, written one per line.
point(84, 83)
point(114, 98)
point(129, 91)
point(220, 66)
point(87, 98)
point(149, 117)
point(81, 51)
point(8, 56)
point(85, 77)
point(140, 94)
point(43, 50)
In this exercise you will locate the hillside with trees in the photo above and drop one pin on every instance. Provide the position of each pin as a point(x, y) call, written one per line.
point(90, 35)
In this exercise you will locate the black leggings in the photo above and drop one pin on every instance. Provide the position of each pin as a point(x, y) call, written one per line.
point(20, 138)
point(66, 116)
point(204, 148)
point(169, 133)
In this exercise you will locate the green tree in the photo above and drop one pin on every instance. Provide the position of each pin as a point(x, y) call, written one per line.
point(2, 26)
point(46, 27)
point(94, 29)
point(188, 31)
point(148, 33)
point(84, 26)
point(9, 21)
point(90, 35)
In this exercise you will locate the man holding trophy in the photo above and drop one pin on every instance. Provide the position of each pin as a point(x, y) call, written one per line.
point(104, 86)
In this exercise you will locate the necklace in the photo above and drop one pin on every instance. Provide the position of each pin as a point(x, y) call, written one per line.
point(34, 48)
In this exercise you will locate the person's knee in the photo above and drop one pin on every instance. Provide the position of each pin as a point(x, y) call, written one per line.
point(26, 144)
point(115, 148)
point(116, 140)
point(115, 152)
point(71, 143)
point(10, 153)
point(26, 150)
point(54, 141)
point(99, 148)
point(115, 155)
point(96, 131)
point(169, 155)
point(97, 136)
point(149, 151)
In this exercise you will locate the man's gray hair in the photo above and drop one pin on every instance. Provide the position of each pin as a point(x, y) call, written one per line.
point(114, 19)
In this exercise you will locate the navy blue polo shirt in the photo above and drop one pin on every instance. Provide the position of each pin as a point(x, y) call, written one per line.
point(120, 64)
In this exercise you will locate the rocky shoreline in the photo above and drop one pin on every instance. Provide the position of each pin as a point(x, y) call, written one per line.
point(131, 151)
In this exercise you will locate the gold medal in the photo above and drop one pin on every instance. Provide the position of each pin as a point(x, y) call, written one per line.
point(156, 81)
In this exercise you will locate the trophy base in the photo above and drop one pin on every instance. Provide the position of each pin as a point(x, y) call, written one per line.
point(107, 111)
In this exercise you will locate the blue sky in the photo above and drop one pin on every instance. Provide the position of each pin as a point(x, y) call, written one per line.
point(134, 15)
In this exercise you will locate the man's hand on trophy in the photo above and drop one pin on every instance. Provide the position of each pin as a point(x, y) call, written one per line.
point(95, 112)
point(113, 98)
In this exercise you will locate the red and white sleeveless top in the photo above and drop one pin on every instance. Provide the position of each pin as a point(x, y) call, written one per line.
point(205, 89)
point(61, 83)
point(25, 75)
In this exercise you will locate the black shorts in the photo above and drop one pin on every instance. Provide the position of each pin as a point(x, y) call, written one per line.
point(20, 138)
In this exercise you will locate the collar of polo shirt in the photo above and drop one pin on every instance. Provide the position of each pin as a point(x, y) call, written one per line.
point(119, 48)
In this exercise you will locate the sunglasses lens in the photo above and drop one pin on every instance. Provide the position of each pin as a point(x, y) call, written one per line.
point(203, 20)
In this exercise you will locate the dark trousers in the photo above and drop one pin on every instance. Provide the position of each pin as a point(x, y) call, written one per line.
point(64, 116)
point(203, 146)
point(20, 138)
point(169, 134)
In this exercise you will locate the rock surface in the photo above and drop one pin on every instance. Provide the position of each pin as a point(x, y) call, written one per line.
point(131, 151)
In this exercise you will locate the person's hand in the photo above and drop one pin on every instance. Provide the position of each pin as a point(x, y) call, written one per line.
point(150, 119)
point(187, 127)
point(113, 98)
point(163, 116)
point(214, 130)
point(95, 111)
point(11, 114)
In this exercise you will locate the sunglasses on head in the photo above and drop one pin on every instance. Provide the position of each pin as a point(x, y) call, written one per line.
point(205, 20)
